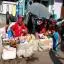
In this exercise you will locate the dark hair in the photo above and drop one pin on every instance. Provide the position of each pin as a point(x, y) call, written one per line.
point(21, 17)
point(51, 16)
point(56, 28)
point(30, 2)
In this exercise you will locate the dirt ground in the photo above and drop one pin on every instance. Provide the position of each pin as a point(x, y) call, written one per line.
point(39, 58)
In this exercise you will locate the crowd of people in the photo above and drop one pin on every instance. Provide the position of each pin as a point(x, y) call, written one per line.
point(46, 27)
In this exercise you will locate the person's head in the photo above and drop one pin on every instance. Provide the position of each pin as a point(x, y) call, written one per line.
point(7, 12)
point(30, 2)
point(39, 21)
point(51, 17)
point(20, 20)
point(46, 21)
point(55, 28)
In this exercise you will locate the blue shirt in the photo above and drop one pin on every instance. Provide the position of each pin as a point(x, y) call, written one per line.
point(55, 39)
point(10, 34)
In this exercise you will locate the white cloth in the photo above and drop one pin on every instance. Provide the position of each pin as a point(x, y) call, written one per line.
point(9, 53)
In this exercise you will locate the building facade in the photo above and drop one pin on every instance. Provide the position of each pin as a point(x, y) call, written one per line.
point(56, 6)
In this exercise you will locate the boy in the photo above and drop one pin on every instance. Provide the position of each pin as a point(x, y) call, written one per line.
point(55, 39)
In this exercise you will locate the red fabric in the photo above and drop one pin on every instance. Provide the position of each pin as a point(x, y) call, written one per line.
point(53, 21)
point(43, 30)
point(18, 30)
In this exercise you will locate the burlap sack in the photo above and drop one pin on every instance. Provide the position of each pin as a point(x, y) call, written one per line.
point(45, 44)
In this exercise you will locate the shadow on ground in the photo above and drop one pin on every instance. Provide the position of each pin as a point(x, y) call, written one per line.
point(20, 61)
point(54, 58)
point(31, 59)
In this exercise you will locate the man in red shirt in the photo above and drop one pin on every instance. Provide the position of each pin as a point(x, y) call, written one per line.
point(19, 28)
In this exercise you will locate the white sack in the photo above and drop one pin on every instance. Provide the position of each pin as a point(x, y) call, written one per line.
point(9, 53)
point(27, 49)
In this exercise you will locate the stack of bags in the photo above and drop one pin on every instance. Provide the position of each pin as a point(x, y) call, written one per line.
point(8, 51)
point(28, 48)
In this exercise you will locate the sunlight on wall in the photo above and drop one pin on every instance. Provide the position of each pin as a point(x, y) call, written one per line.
point(57, 9)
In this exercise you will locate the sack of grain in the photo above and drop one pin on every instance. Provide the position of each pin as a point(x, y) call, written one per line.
point(45, 44)
point(8, 53)
point(27, 49)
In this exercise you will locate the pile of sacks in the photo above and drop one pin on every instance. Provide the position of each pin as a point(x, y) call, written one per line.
point(28, 48)
point(8, 52)
point(25, 48)
point(45, 44)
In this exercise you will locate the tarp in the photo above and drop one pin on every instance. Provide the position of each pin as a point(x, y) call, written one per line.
point(39, 10)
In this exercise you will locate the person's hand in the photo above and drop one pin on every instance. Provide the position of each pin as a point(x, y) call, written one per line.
point(24, 31)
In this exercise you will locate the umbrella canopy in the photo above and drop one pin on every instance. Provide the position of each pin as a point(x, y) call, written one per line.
point(39, 10)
